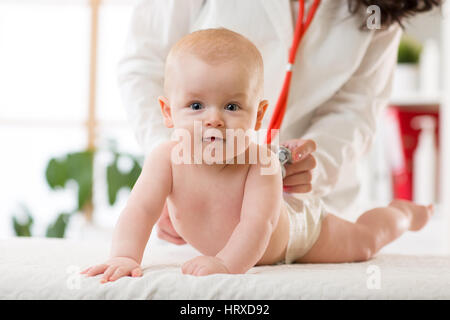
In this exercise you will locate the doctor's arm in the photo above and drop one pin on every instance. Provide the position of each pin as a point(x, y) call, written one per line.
point(155, 26)
point(344, 126)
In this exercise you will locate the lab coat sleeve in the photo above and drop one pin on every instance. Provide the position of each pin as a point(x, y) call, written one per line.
point(155, 26)
point(344, 126)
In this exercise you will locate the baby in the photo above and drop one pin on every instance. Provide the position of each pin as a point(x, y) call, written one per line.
point(231, 211)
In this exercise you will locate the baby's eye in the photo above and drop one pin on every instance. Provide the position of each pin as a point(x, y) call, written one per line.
point(234, 107)
point(195, 106)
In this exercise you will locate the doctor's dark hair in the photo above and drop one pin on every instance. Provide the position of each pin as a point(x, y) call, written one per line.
point(393, 11)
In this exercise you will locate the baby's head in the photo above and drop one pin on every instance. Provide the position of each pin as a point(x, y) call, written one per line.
point(216, 77)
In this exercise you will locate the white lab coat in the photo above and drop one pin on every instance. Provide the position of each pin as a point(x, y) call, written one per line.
point(341, 79)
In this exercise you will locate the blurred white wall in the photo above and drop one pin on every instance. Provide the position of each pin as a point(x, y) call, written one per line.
point(44, 83)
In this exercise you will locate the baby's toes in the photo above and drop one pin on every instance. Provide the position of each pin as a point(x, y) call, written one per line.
point(420, 217)
point(137, 272)
point(430, 209)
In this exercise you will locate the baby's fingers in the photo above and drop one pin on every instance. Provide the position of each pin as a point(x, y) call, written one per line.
point(108, 273)
point(201, 271)
point(95, 270)
point(188, 267)
point(85, 270)
point(197, 269)
point(120, 272)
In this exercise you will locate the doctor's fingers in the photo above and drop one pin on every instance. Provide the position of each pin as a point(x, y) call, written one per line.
point(298, 183)
point(306, 164)
point(303, 178)
point(300, 148)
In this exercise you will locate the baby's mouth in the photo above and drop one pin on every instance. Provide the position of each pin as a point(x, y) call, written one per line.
point(213, 139)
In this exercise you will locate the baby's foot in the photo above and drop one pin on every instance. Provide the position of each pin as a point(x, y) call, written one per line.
point(418, 215)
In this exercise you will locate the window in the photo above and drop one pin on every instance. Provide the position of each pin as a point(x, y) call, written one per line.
point(45, 90)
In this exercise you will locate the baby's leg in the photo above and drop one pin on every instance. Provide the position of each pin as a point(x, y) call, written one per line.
point(344, 241)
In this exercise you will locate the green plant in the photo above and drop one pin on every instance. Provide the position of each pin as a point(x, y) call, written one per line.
point(79, 167)
point(116, 179)
point(22, 227)
point(409, 50)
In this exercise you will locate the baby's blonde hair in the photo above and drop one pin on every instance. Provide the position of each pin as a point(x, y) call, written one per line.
point(217, 45)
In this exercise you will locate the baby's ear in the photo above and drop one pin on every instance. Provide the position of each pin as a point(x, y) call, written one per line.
point(261, 111)
point(166, 111)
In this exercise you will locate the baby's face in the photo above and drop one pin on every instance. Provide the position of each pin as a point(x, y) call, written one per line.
point(219, 97)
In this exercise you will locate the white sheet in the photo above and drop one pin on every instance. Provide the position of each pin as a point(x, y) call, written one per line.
point(39, 268)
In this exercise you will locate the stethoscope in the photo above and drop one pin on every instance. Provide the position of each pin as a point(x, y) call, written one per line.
point(284, 154)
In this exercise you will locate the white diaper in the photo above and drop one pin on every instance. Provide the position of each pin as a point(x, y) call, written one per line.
point(306, 213)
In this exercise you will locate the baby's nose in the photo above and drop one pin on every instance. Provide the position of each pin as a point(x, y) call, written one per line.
point(214, 121)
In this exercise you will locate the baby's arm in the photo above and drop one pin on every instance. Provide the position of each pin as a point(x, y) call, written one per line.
point(136, 221)
point(259, 216)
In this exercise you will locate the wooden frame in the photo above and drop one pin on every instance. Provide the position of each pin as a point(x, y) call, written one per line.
point(91, 122)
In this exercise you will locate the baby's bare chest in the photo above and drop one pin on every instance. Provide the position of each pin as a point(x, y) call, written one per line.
point(197, 192)
point(206, 205)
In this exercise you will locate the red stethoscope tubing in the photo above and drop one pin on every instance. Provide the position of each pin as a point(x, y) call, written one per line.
point(300, 29)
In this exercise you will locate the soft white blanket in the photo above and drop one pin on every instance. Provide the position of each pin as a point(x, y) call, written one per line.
point(37, 268)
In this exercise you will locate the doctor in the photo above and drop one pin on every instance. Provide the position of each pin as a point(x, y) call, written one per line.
point(341, 79)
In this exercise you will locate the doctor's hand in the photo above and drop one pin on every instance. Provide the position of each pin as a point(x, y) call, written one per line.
point(166, 230)
point(299, 172)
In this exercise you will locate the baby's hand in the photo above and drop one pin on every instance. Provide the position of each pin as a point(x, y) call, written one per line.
point(204, 265)
point(114, 269)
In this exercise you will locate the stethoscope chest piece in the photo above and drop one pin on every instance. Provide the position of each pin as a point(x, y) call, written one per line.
point(285, 156)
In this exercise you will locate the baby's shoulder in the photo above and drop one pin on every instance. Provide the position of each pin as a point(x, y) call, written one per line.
point(263, 158)
point(161, 152)
point(164, 147)
point(261, 153)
